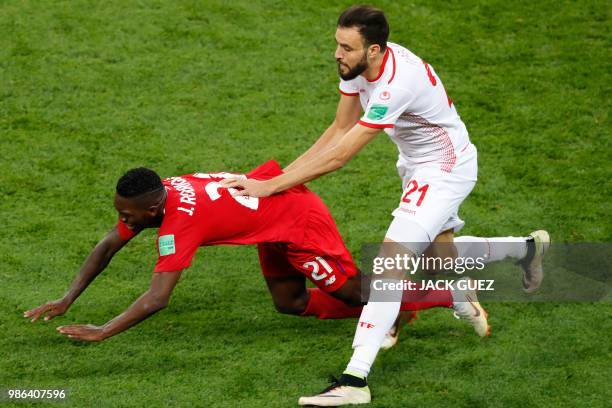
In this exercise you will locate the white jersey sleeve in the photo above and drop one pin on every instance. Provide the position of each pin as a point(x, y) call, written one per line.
point(349, 88)
point(385, 106)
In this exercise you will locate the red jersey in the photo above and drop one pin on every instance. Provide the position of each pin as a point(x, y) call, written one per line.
point(198, 212)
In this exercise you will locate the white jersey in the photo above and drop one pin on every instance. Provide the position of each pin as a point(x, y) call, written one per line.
point(408, 101)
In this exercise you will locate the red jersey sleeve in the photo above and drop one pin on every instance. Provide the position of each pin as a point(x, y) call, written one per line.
point(177, 244)
point(124, 232)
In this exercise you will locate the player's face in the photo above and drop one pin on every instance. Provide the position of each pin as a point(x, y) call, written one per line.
point(134, 214)
point(351, 53)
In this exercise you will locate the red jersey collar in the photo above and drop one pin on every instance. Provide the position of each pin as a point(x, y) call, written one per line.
point(382, 66)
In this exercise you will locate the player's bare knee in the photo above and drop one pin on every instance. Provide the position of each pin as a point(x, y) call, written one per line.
point(349, 293)
point(291, 307)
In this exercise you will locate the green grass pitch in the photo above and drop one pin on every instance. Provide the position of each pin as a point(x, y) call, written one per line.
point(89, 89)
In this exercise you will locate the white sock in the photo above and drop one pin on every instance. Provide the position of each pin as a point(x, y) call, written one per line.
point(491, 249)
point(376, 320)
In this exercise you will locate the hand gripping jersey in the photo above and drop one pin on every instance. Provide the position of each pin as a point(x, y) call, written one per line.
point(408, 101)
point(294, 225)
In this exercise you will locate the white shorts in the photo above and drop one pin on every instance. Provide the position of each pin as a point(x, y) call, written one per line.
point(431, 198)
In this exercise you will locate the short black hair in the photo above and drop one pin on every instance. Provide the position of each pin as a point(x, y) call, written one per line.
point(371, 23)
point(138, 181)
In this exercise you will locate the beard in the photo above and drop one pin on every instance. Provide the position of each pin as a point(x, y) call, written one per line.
point(354, 72)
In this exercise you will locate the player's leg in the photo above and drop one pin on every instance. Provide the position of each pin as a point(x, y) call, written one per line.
point(416, 222)
point(377, 318)
point(487, 249)
point(287, 285)
point(289, 294)
point(442, 247)
point(380, 313)
point(324, 259)
point(347, 299)
point(527, 251)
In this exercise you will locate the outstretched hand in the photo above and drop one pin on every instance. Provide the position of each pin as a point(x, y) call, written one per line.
point(83, 332)
point(49, 310)
point(247, 187)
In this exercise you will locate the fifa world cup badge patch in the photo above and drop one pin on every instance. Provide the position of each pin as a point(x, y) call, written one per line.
point(166, 245)
point(377, 112)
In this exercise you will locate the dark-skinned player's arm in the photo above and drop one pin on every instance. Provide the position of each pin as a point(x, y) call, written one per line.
point(152, 301)
point(347, 115)
point(95, 263)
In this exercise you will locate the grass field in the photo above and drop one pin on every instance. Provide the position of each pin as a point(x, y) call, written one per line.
point(89, 89)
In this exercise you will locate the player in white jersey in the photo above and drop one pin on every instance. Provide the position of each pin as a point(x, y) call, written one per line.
point(408, 101)
point(402, 95)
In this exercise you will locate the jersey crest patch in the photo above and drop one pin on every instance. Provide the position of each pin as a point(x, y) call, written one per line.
point(377, 112)
point(166, 245)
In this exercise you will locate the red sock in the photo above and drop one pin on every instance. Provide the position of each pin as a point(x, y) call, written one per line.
point(425, 299)
point(325, 306)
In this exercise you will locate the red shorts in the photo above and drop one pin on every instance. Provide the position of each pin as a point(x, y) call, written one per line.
point(321, 256)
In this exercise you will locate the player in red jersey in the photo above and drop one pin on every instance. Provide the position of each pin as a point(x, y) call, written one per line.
point(295, 233)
